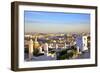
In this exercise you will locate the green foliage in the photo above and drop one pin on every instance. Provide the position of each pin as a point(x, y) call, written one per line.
point(63, 57)
point(36, 52)
point(64, 54)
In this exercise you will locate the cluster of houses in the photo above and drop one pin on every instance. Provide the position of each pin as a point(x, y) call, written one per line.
point(81, 43)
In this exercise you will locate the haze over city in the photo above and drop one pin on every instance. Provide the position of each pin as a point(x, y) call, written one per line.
point(54, 22)
point(56, 36)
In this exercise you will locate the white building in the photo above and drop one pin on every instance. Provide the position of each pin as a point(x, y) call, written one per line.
point(40, 49)
point(65, 45)
point(30, 48)
point(45, 48)
point(84, 39)
point(81, 42)
point(56, 46)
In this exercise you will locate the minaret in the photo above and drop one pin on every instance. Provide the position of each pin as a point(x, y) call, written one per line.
point(46, 48)
point(65, 46)
point(84, 38)
point(56, 46)
point(30, 49)
point(36, 39)
point(78, 50)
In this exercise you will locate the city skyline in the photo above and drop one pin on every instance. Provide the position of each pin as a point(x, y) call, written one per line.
point(53, 22)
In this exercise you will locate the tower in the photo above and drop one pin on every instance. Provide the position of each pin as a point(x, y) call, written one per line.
point(30, 48)
point(46, 48)
point(56, 46)
point(36, 44)
point(84, 39)
point(36, 39)
point(65, 46)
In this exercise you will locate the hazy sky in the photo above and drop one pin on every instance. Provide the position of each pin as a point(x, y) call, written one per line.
point(53, 22)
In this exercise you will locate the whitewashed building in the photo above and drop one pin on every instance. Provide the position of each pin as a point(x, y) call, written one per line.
point(45, 47)
point(30, 48)
point(84, 39)
point(81, 42)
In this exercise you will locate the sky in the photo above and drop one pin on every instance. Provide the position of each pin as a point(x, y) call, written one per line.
point(54, 22)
